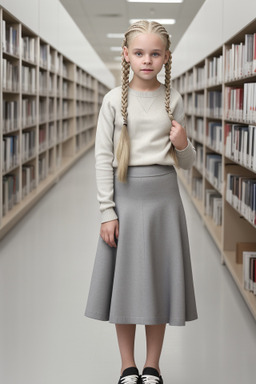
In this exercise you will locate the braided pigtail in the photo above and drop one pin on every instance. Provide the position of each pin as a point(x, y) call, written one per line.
point(123, 148)
point(168, 67)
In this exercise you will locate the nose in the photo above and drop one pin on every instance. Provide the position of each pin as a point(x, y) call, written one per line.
point(147, 59)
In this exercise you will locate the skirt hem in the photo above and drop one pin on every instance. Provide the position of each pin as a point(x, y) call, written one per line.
point(141, 321)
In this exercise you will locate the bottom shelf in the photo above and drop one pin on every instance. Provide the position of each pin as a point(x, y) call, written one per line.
point(20, 209)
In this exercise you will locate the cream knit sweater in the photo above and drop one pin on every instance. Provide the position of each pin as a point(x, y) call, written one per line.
point(149, 128)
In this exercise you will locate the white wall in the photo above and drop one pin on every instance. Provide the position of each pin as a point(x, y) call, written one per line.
point(216, 22)
point(50, 20)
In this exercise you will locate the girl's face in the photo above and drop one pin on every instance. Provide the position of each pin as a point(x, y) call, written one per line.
point(146, 55)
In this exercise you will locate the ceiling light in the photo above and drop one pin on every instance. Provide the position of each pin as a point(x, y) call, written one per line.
point(161, 21)
point(155, 1)
point(115, 35)
point(116, 49)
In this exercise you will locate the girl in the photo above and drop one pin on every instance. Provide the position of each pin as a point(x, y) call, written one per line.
point(142, 272)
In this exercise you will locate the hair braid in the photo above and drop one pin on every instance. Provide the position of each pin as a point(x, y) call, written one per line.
point(168, 67)
point(123, 149)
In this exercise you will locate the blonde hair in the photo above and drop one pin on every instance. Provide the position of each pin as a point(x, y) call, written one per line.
point(123, 149)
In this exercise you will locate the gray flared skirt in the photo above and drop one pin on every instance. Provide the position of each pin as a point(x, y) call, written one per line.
point(148, 278)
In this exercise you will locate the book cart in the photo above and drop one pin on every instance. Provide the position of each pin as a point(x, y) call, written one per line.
point(219, 95)
point(48, 114)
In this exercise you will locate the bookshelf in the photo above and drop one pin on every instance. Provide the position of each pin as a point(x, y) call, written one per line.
point(219, 96)
point(48, 114)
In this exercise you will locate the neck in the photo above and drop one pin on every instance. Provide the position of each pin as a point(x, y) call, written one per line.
point(140, 85)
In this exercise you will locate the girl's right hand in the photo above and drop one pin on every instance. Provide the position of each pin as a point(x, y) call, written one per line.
point(109, 231)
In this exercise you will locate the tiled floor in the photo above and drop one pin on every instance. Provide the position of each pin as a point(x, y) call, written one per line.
point(45, 268)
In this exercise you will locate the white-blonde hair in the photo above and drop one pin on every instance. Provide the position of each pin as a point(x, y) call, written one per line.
point(123, 149)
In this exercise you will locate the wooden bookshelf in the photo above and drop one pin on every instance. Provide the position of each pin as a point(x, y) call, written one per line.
point(206, 89)
point(48, 114)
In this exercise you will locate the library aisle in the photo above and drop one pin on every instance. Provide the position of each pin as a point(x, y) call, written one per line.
point(45, 268)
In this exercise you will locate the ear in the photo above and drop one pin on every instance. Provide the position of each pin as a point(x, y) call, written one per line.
point(126, 57)
point(166, 57)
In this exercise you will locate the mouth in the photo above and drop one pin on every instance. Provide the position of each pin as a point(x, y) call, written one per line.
point(147, 70)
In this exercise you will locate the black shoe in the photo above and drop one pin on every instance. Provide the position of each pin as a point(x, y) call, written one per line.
point(151, 376)
point(130, 376)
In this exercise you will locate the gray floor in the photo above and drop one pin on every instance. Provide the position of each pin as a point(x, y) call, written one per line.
point(45, 267)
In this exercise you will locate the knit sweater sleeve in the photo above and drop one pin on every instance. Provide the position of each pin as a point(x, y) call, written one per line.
point(104, 155)
point(187, 156)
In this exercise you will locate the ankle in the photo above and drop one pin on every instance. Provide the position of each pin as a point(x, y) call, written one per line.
point(127, 365)
point(153, 365)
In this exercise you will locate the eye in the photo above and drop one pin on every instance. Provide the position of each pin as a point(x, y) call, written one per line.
point(138, 54)
point(155, 54)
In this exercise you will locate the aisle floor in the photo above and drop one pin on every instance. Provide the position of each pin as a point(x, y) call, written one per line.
point(45, 267)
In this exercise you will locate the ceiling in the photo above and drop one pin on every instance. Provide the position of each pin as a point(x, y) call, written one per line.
point(96, 18)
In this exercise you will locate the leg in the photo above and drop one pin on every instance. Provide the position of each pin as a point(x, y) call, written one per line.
point(155, 338)
point(126, 336)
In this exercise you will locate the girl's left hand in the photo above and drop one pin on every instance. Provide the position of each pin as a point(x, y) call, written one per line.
point(178, 136)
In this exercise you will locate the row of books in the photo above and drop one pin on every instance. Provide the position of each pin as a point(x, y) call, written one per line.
point(200, 77)
point(47, 136)
point(43, 83)
point(10, 191)
point(28, 179)
point(85, 79)
point(249, 271)
point(10, 82)
point(214, 104)
point(190, 81)
point(189, 126)
point(42, 168)
point(241, 58)
point(240, 102)
point(28, 79)
point(199, 157)
point(199, 104)
point(28, 112)
point(85, 94)
point(28, 144)
point(215, 70)
point(10, 76)
point(83, 139)
point(10, 38)
point(198, 133)
point(189, 104)
point(240, 144)
point(42, 138)
point(43, 55)
point(11, 180)
point(213, 205)
point(214, 136)
point(28, 45)
point(214, 170)
point(197, 188)
point(10, 112)
point(10, 145)
point(10, 152)
point(241, 194)
point(10, 116)
point(84, 122)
